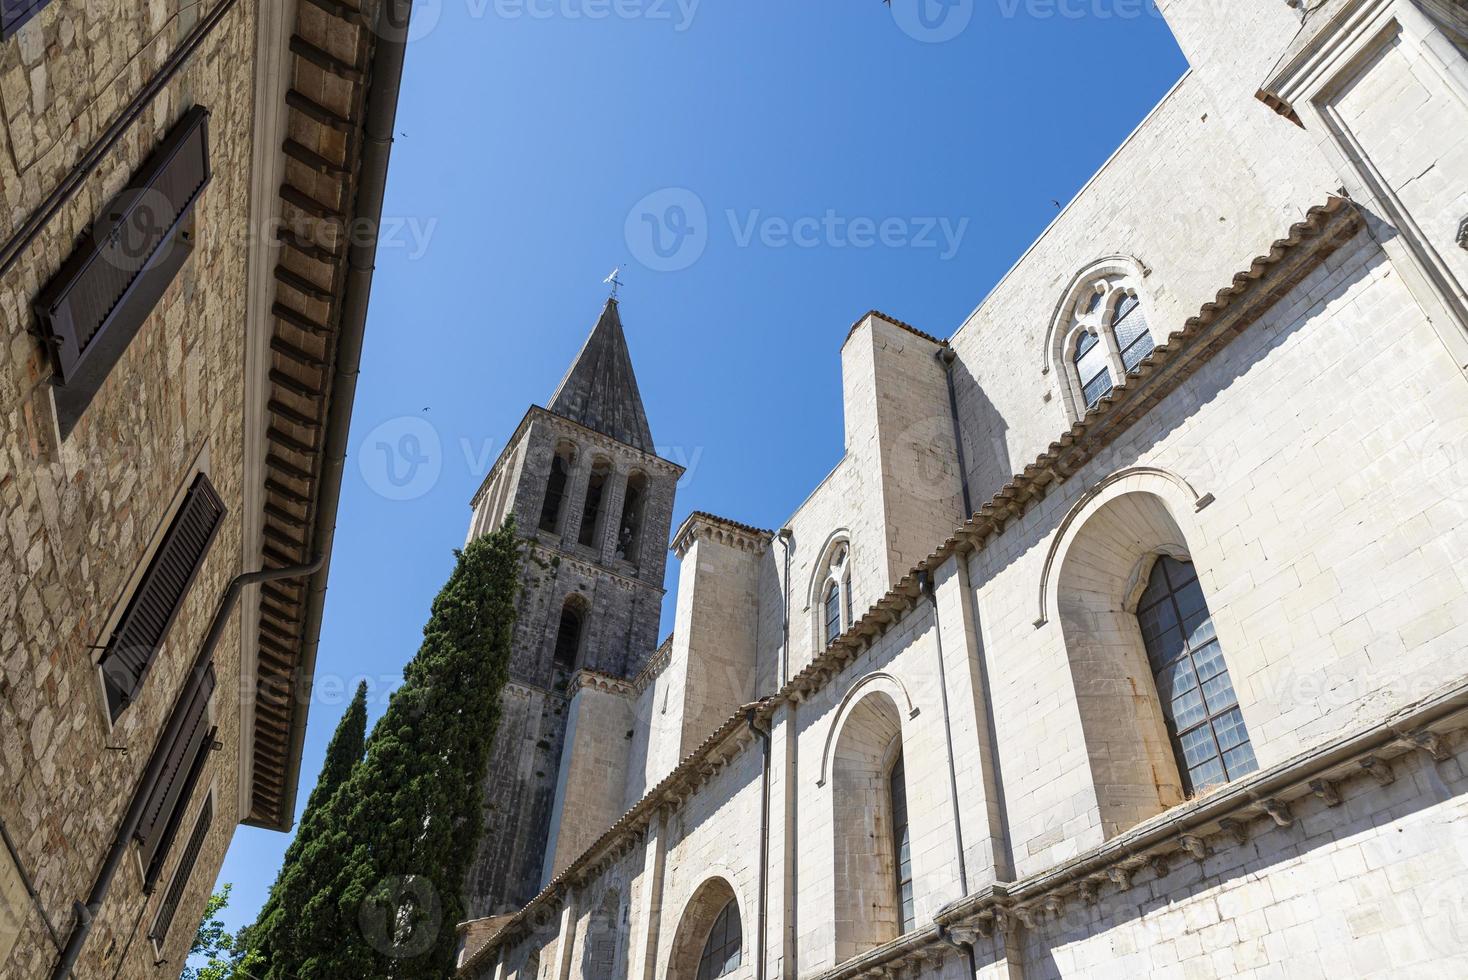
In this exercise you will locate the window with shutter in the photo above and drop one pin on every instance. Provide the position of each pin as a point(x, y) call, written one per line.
point(183, 762)
point(181, 876)
point(160, 595)
point(14, 13)
point(91, 310)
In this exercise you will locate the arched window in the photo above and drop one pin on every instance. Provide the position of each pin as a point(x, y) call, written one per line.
point(722, 951)
point(833, 612)
point(833, 600)
point(555, 488)
point(1091, 369)
point(874, 875)
point(1133, 338)
point(1100, 332)
point(1198, 699)
point(568, 640)
point(629, 535)
point(591, 508)
point(901, 844)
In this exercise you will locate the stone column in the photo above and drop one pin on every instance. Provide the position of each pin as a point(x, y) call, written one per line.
point(575, 498)
point(613, 495)
point(784, 791)
point(566, 944)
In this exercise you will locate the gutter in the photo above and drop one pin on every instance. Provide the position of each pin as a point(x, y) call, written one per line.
point(86, 914)
point(377, 139)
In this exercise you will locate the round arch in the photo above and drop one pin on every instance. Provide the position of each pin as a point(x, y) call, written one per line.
point(1182, 501)
point(699, 916)
point(889, 684)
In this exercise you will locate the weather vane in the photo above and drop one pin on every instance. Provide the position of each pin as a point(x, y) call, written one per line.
point(614, 280)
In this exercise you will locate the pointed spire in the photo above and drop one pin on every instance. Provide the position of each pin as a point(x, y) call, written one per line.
point(600, 390)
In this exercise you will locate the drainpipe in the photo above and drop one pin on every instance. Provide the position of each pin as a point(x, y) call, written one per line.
point(947, 356)
point(925, 582)
point(784, 537)
point(763, 731)
point(86, 913)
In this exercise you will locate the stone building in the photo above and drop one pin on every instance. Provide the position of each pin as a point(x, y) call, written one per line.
point(1127, 638)
point(190, 194)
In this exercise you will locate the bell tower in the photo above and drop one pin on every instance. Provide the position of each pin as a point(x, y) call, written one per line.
point(593, 502)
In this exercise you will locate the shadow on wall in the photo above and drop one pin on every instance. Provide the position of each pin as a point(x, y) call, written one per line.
point(985, 437)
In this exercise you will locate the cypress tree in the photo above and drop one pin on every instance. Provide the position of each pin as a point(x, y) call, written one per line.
point(342, 753)
point(391, 849)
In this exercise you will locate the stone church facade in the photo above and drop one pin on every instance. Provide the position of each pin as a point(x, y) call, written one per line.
point(1127, 637)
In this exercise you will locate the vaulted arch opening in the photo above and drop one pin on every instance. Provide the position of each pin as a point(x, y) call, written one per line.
point(1158, 710)
point(710, 940)
point(873, 869)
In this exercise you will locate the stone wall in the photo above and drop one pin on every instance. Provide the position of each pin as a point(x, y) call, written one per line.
point(80, 518)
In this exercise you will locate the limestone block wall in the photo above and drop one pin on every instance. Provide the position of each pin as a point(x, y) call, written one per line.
point(716, 631)
point(1372, 887)
point(592, 777)
point(519, 792)
point(902, 667)
point(79, 518)
point(1331, 552)
point(1143, 204)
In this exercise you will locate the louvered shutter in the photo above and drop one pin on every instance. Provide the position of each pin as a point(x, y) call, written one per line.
point(182, 764)
point(160, 594)
point(109, 285)
point(14, 13)
point(182, 874)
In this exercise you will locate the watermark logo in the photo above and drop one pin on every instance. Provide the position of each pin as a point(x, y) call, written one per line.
point(423, 20)
point(401, 917)
point(402, 458)
point(132, 231)
point(668, 230)
point(932, 21)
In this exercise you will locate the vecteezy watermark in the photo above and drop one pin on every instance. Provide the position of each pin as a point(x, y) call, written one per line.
point(933, 21)
point(1078, 9)
point(668, 230)
point(402, 458)
point(679, 13)
point(401, 916)
point(831, 230)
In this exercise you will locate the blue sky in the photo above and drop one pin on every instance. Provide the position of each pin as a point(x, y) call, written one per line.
point(765, 171)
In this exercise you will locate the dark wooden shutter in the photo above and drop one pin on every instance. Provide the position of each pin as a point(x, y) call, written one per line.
point(160, 594)
point(182, 874)
point(14, 13)
point(182, 764)
point(91, 310)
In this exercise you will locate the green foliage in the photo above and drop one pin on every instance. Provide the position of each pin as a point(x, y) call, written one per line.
point(378, 880)
point(213, 942)
point(342, 753)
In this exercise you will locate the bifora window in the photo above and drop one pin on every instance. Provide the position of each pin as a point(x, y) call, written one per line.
point(721, 952)
point(901, 846)
point(1132, 335)
point(1090, 361)
point(1198, 699)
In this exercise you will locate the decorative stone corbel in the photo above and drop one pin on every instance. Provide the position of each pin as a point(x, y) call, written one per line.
point(1380, 770)
point(1122, 876)
point(1463, 234)
point(1327, 791)
point(1194, 846)
point(1236, 828)
point(1279, 811)
point(1055, 905)
point(1430, 742)
point(1158, 864)
point(1090, 889)
point(1026, 915)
